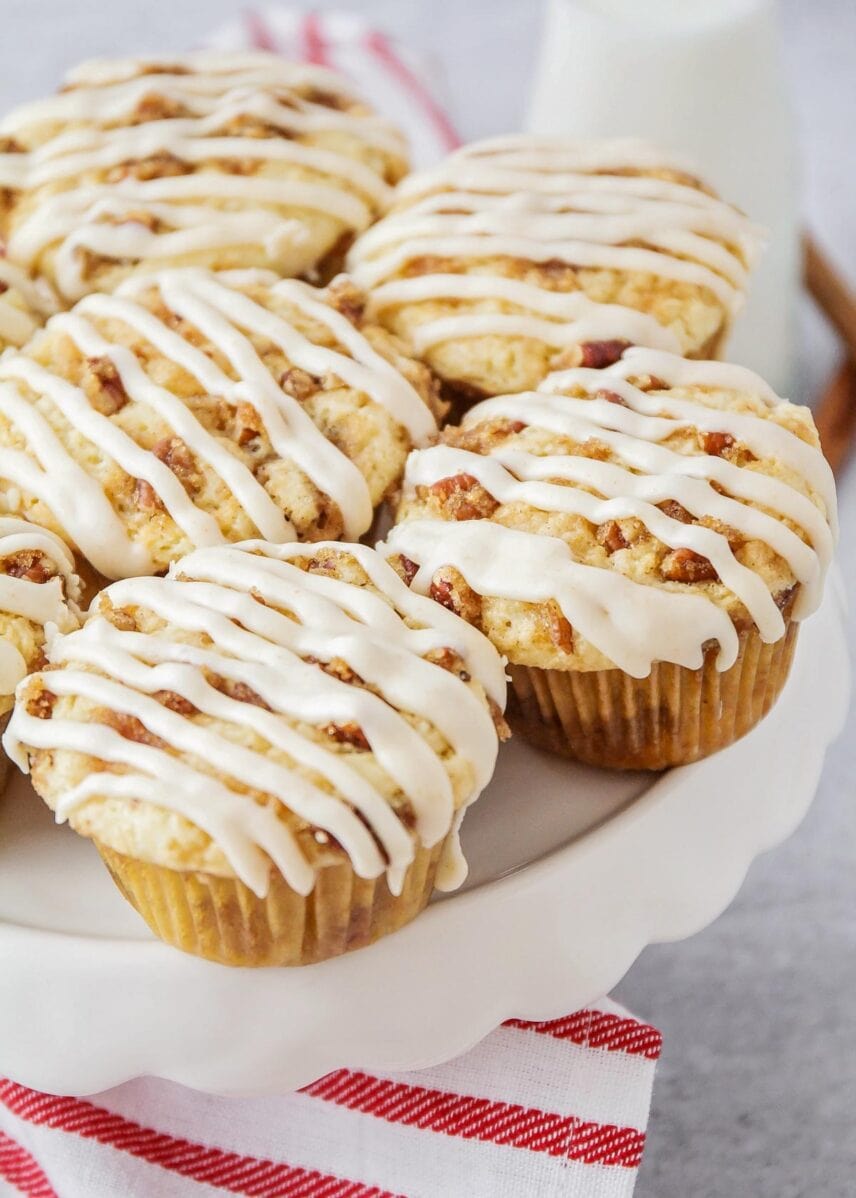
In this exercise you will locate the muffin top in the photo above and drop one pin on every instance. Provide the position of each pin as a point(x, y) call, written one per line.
point(520, 254)
point(263, 707)
point(207, 159)
point(25, 304)
point(613, 518)
point(190, 408)
point(38, 590)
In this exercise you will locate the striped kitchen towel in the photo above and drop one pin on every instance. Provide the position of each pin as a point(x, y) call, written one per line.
point(390, 77)
point(534, 1110)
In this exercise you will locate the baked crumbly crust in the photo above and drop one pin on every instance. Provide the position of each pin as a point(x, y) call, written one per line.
point(206, 159)
point(474, 262)
point(192, 407)
point(547, 439)
point(128, 643)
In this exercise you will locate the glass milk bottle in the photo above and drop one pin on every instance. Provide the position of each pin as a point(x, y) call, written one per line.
point(703, 78)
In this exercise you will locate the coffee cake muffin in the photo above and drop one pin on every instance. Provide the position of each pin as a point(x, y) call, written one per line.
point(640, 541)
point(206, 159)
point(39, 593)
point(519, 255)
point(190, 408)
point(272, 747)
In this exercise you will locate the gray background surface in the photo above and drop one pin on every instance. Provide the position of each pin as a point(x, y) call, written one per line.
point(756, 1091)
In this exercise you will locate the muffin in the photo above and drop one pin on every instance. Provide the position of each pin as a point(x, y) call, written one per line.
point(39, 592)
point(206, 159)
point(519, 255)
point(189, 408)
point(272, 748)
point(25, 304)
point(640, 541)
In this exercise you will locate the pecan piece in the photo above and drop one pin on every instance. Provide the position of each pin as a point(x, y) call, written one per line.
point(104, 386)
point(129, 727)
point(146, 497)
point(173, 452)
point(156, 166)
point(715, 444)
point(316, 95)
point(348, 734)
point(558, 626)
point(155, 107)
point(239, 691)
point(248, 424)
point(175, 702)
point(557, 272)
point(41, 705)
point(650, 382)
point(451, 589)
point(594, 355)
point(611, 537)
point(675, 511)
point(599, 354)
point(685, 565)
point(347, 298)
point(299, 384)
point(463, 497)
point(30, 565)
point(405, 568)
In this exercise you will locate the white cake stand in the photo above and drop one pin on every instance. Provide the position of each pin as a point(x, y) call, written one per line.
point(573, 872)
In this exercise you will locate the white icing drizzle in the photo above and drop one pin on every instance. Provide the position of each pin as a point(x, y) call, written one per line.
point(632, 623)
point(24, 303)
point(561, 318)
point(87, 131)
point(213, 591)
point(225, 316)
point(538, 200)
point(53, 602)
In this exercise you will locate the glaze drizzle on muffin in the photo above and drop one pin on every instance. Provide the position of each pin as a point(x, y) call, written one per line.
point(138, 379)
point(38, 589)
point(256, 680)
point(221, 160)
point(641, 529)
point(518, 248)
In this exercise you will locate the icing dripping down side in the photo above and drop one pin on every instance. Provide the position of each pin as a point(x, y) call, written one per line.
point(237, 596)
point(52, 602)
point(633, 623)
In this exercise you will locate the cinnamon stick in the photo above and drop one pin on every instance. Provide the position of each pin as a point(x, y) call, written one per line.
point(830, 292)
point(835, 415)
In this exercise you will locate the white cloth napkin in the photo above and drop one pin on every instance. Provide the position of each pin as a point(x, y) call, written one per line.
point(540, 1109)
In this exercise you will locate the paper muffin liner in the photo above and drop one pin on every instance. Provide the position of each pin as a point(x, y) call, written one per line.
point(674, 716)
point(222, 920)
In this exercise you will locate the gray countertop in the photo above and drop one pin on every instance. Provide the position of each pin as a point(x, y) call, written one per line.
point(756, 1089)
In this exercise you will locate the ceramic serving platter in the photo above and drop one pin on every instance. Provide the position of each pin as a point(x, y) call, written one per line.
point(572, 872)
